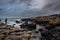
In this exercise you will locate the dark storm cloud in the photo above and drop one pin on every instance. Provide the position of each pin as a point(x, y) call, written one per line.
point(25, 8)
point(53, 7)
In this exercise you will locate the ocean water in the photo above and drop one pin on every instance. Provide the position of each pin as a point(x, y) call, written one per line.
point(10, 21)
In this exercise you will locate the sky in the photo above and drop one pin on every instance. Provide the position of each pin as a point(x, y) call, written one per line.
point(28, 8)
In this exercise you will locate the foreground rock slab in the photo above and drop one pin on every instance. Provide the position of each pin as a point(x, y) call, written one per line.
point(11, 33)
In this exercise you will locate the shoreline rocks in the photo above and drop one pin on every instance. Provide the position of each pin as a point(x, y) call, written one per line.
point(51, 23)
point(9, 33)
point(51, 19)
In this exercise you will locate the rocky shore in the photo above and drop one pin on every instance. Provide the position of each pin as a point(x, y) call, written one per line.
point(51, 19)
point(10, 33)
point(50, 23)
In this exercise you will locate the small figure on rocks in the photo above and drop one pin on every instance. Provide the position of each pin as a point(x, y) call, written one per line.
point(6, 21)
point(0, 20)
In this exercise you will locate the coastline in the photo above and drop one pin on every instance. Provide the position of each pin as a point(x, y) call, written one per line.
point(50, 23)
point(52, 19)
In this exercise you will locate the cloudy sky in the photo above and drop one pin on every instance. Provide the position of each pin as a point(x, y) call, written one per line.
point(28, 8)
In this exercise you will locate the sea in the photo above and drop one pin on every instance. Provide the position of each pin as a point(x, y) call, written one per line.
point(10, 21)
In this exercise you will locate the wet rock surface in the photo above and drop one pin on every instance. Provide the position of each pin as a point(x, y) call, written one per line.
point(51, 24)
point(11, 33)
